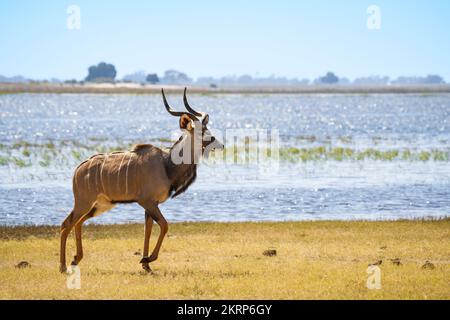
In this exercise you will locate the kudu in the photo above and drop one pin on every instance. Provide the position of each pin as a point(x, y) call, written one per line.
point(146, 174)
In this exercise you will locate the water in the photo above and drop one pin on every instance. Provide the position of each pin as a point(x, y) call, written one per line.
point(38, 190)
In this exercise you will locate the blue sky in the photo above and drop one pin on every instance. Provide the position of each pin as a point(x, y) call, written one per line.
point(285, 38)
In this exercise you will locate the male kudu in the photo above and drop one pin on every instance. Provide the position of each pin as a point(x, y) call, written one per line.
point(146, 174)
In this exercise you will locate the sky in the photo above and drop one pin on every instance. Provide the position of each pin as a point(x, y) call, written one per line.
point(301, 39)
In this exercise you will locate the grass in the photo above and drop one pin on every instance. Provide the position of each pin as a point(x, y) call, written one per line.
point(315, 260)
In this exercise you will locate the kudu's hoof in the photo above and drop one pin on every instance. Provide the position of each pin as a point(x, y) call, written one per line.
point(145, 260)
point(146, 267)
point(75, 261)
point(62, 269)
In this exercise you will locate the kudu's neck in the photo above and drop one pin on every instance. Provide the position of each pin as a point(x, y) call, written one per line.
point(181, 164)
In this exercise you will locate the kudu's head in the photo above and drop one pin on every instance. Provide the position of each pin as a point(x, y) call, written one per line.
point(195, 124)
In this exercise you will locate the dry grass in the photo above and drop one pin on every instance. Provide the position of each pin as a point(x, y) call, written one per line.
point(315, 260)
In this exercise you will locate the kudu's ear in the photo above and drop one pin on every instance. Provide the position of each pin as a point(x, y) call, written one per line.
point(186, 122)
point(206, 120)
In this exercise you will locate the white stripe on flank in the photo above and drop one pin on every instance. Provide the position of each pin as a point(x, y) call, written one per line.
point(118, 172)
point(96, 178)
point(89, 175)
point(75, 178)
point(126, 176)
point(101, 172)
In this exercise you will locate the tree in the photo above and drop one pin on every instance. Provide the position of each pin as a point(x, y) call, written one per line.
point(329, 78)
point(372, 80)
point(101, 72)
point(434, 79)
point(430, 79)
point(136, 77)
point(176, 77)
point(152, 78)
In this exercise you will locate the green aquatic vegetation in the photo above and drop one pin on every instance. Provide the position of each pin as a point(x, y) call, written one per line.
point(110, 149)
point(406, 154)
point(46, 159)
point(439, 155)
point(22, 144)
point(424, 156)
point(207, 94)
point(390, 155)
point(289, 154)
point(26, 145)
point(26, 152)
point(79, 145)
point(368, 153)
point(309, 139)
point(313, 154)
point(77, 155)
point(293, 151)
point(348, 152)
point(99, 139)
point(69, 153)
point(20, 162)
point(44, 164)
point(102, 149)
point(320, 150)
point(340, 154)
point(346, 140)
point(293, 154)
point(3, 161)
point(165, 140)
point(119, 148)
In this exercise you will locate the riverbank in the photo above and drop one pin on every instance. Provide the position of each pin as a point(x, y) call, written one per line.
point(130, 88)
point(314, 260)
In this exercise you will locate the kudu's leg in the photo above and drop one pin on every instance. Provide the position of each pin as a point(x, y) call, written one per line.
point(71, 220)
point(78, 227)
point(148, 232)
point(156, 214)
point(66, 227)
point(164, 227)
point(96, 209)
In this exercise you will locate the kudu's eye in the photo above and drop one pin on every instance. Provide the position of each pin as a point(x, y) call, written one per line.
point(207, 135)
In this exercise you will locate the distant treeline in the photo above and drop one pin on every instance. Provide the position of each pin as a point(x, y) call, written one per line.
point(105, 72)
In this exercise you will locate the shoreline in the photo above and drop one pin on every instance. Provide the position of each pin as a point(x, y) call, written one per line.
point(93, 224)
point(120, 88)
